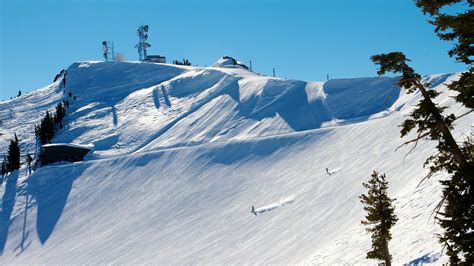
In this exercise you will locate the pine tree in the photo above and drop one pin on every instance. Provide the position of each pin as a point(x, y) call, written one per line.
point(456, 27)
point(13, 155)
point(60, 114)
point(3, 169)
point(380, 216)
point(185, 62)
point(47, 128)
point(455, 159)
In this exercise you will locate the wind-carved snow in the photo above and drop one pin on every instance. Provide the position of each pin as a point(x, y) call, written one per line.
point(182, 153)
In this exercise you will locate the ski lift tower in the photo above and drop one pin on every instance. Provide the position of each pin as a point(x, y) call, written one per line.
point(142, 44)
point(108, 49)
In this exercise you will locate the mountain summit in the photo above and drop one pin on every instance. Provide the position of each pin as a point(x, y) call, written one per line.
point(216, 165)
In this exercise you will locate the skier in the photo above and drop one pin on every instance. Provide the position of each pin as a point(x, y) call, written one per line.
point(253, 211)
point(29, 160)
point(327, 171)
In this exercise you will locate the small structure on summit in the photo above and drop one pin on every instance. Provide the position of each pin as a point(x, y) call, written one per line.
point(59, 152)
point(230, 62)
point(108, 50)
point(142, 33)
point(155, 59)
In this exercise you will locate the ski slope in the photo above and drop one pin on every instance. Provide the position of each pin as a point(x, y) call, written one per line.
point(182, 153)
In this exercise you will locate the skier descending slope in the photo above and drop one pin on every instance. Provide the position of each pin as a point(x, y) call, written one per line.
point(253, 211)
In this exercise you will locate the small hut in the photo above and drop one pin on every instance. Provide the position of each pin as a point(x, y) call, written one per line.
point(59, 152)
point(155, 59)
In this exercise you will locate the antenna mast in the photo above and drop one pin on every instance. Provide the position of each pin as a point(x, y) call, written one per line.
point(108, 50)
point(142, 44)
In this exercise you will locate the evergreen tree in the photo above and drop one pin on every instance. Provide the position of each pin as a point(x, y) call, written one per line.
point(185, 62)
point(13, 155)
point(458, 28)
point(457, 218)
point(380, 216)
point(3, 169)
point(454, 26)
point(47, 128)
point(60, 114)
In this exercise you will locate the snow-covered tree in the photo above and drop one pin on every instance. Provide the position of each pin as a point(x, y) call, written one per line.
point(380, 216)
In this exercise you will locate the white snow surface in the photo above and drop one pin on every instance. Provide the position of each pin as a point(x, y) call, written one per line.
point(83, 146)
point(182, 153)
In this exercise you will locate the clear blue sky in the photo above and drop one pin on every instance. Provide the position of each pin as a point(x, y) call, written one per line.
point(302, 39)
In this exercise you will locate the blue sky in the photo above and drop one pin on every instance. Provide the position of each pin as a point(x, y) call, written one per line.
point(302, 39)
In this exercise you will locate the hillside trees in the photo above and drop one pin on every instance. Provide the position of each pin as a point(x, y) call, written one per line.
point(456, 159)
point(185, 62)
point(380, 216)
point(453, 22)
point(13, 155)
point(46, 129)
point(457, 27)
point(3, 170)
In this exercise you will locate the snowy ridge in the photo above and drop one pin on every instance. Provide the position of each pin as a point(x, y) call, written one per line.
point(182, 153)
point(127, 107)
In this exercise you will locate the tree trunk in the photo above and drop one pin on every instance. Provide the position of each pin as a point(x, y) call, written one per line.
point(386, 255)
point(448, 137)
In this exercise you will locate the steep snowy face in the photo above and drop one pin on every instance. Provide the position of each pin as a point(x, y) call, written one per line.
point(242, 105)
point(93, 89)
point(183, 153)
point(125, 107)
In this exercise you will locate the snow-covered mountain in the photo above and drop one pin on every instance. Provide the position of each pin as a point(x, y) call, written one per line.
point(182, 153)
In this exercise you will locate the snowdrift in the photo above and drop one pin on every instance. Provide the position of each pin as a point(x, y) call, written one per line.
point(182, 153)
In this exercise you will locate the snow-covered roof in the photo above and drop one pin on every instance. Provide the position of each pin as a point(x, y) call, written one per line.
point(80, 146)
point(227, 61)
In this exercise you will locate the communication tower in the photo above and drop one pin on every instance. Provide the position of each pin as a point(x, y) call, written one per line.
point(142, 44)
point(108, 50)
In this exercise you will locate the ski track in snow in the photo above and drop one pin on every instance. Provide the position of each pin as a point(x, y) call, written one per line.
point(181, 152)
point(275, 205)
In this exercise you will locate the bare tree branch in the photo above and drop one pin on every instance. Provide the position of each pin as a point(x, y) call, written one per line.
point(430, 174)
point(420, 136)
point(463, 115)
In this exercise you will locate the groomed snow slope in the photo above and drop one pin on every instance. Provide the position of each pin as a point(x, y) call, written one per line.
point(182, 153)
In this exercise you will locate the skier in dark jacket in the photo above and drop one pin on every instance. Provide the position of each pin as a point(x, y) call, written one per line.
point(253, 211)
point(29, 160)
point(327, 171)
